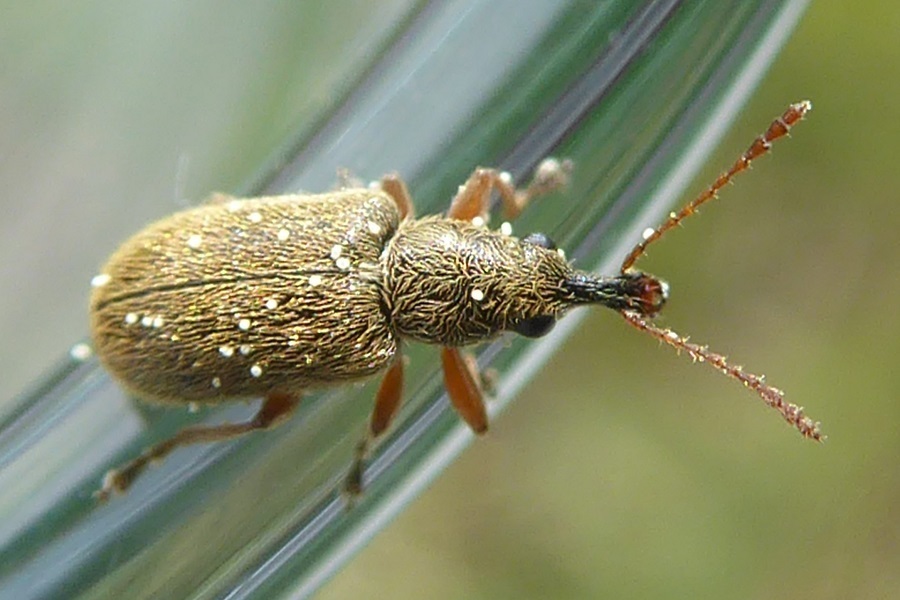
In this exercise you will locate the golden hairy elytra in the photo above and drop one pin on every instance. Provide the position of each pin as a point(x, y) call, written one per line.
point(276, 296)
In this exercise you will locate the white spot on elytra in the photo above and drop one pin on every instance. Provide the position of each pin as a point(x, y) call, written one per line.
point(100, 280)
point(315, 280)
point(254, 217)
point(256, 370)
point(226, 351)
point(244, 349)
point(244, 324)
point(647, 233)
point(147, 321)
point(157, 322)
point(271, 303)
point(506, 228)
point(477, 295)
point(478, 221)
point(336, 252)
point(194, 241)
point(283, 235)
point(374, 228)
point(80, 352)
point(216, 382)
point(343, 263)
point(131, 319)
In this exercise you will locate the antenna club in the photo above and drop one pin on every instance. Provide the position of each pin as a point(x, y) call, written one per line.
point(801, 108)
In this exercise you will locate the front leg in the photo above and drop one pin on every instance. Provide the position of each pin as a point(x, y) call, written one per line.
point(463, 385)
point(473, 198)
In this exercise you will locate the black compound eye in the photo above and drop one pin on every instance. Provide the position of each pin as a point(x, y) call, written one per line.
point(536, 327)
point(540, 239)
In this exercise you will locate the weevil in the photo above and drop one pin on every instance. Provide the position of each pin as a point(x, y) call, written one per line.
point(276, 296)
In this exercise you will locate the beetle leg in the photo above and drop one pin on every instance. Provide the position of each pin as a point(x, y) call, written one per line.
point(387, 401)
point(464, 388)
point(473, 198)
point(485, 381)
point(395, 187)
point(275, 409)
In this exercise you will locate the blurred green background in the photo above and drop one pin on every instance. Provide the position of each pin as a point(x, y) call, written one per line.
point(623, 471)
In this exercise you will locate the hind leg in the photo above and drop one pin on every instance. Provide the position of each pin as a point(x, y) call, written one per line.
point(275, 409)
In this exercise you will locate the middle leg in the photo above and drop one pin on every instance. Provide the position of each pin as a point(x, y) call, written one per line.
point(387, 403)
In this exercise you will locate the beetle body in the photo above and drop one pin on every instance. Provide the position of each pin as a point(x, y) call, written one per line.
point(275, 296)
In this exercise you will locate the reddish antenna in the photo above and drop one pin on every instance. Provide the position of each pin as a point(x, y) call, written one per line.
point(772, 396)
